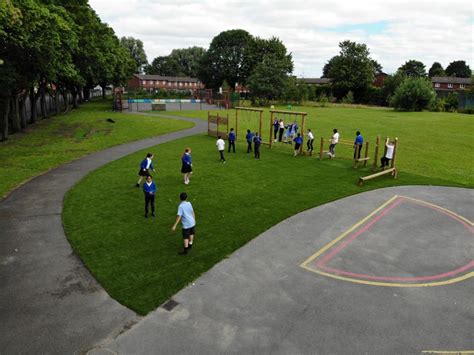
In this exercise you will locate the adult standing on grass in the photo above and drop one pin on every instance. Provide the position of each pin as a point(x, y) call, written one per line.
point(188, 220)
point(149, 188)
point(187, 166)
point(249, 138)
point(257, 141)
point(298, 142)
point(145, 166)
point(359, 140)
point(221, 147)
point(309, 142)
point(334, 141)
point(231, 140)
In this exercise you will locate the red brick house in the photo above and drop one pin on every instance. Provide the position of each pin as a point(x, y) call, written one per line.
point(379, 79)
point(450, 84)
point(157, 82)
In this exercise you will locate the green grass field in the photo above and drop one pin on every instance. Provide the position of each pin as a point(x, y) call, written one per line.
point(136, 259)
point(63, 138)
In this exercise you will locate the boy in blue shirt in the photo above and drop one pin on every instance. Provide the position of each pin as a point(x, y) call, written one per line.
point(358, 145)
point(149, 188)
point(298, 141)
point(145, 166)
point(188, 220)
point(257, 141)
point(249, 138)
point(231, 140)
point(187, 165)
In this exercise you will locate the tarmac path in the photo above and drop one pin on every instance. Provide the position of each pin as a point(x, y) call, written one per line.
point(386, 271)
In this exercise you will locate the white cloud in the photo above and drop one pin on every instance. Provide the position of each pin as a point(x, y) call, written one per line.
point(424, 30)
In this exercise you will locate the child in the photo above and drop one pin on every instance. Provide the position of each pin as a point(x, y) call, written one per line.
point(149, 188)
point(231, 140)
point(388, 154)
point(298, 141)
point(281, 130)
point(257, 141)
point(145, 166)
point(276, 127)
point(249, 138)
point(187, 167)
point(358, 145)
point(288, 133)
point(309, 142)
point(188, 219)
point(220, 147)
point(334, 141)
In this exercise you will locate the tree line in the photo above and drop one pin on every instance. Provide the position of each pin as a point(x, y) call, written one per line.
point(54, 47)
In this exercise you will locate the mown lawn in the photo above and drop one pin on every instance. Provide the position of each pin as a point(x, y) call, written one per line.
point(431, 144)
point(136, 259)
point(66, 137)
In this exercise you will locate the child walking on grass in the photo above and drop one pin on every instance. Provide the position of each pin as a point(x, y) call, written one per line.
point(188, 220)
point(187, 165)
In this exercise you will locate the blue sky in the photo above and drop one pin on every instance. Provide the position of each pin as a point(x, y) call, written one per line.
point(395, 31)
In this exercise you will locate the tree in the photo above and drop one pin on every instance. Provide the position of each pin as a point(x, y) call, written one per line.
point(413, 68)
point(391, 83)
point(351, 70)
point(268, 79)
point(135, 46)
point(165, 66)
point(459, 69)
point(226, 59)
point(413, 94)
point(436, 70)
point(187, 60)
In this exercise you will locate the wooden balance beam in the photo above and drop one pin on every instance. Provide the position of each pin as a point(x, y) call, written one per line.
point(392, 171)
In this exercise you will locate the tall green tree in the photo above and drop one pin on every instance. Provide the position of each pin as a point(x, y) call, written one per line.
point(459, 69)
point(164, 65)
point(413, 94)
point(137, 51)
point(413, 68)
point(226, 59)
point(436, 70)
point(351, 70)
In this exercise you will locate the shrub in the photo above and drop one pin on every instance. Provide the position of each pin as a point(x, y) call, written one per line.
point(413, 94)
point(438, 105)
point(323, 100)
point(348, 99)
point(451, 102)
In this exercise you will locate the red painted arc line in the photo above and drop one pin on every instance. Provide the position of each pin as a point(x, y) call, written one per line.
point(384, 278)
point(341, 246)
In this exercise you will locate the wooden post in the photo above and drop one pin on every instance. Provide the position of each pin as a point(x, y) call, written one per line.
point(321, 147)
point(227, 124)
point(271, 126)
point(208, 122)
point(302, 133)
point(356, 155)
point(366, 155)
point(237, 122)
point(260, 124)
point(395, 172)
point(376, 154)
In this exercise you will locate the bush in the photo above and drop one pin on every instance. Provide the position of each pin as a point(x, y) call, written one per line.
point(413, 94)
point(348, 99)
point(323, 100)
point(438, 105)
point(451, 102)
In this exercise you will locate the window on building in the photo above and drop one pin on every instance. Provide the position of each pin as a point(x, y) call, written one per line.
point(143, 82)
point(461, 86)
point(450, 86)
point(437, 85)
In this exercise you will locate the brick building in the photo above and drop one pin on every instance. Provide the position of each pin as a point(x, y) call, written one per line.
point(450, 84)
point(157, 82)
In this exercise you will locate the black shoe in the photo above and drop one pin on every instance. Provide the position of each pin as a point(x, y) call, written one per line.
point(190, 246)
point(137, 185)
point(153, 214)
point(146, 216)
point(184, 252)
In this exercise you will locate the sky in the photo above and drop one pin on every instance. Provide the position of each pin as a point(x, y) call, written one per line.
point(394, 31)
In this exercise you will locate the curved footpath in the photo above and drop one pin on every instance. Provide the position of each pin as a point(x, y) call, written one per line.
point(49, 302)
point(260, 299)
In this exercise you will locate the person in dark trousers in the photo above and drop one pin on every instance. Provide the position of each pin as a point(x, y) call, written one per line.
point(231, 140)
point(276, 127)
point(220, 144)
point(187, 165)
point(188, 220)
point(149, 188)
point(359, 140)
point(281, 130)
point(257, 141)
point(298, 142)
point(385, 161)
point(145, 166)
point(309, 142)
point(249, 138)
